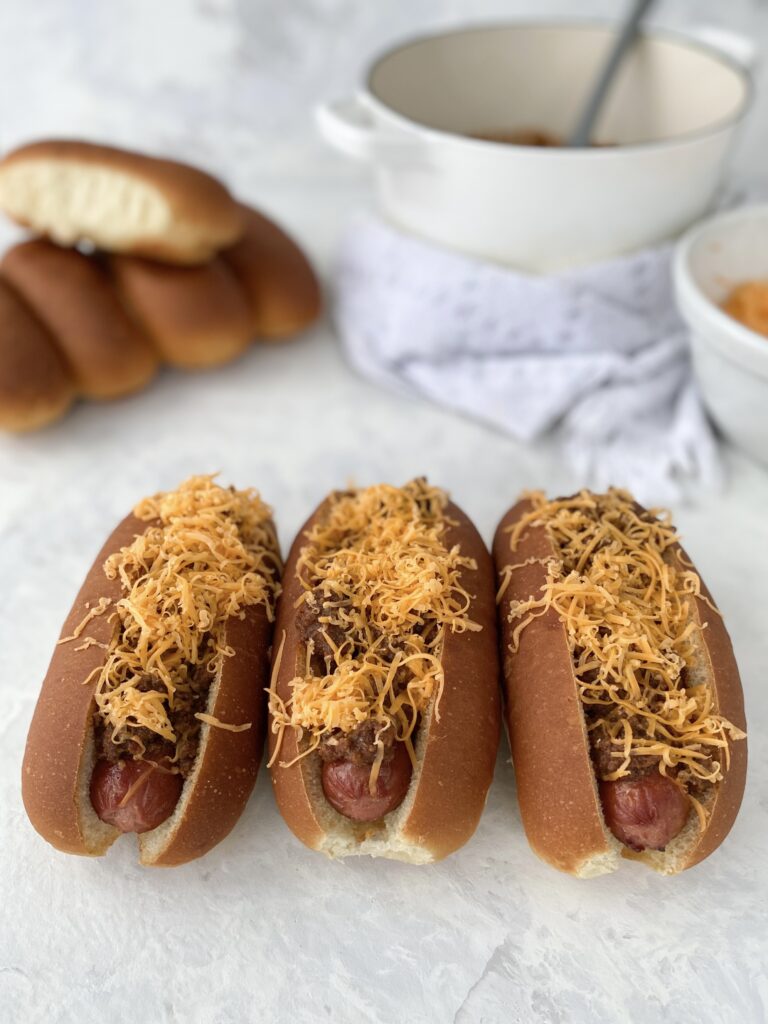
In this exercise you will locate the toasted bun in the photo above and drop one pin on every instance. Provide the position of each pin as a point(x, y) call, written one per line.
point(283, 291)
point(118, 200)
point(69, 293)
point(35, 384)
point(224, 774)
point(195, 316)
point(60, 754)
point(716, 668)
point(556, 784)
point(455, 754)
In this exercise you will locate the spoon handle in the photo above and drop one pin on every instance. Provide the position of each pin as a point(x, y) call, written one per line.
point(623, 41)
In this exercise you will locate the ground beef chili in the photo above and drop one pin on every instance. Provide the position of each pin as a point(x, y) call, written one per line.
point(317, 634)
point(358, 746)
point(141, 743)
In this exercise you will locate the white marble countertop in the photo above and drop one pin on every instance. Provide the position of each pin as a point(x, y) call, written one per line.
point(261, 928)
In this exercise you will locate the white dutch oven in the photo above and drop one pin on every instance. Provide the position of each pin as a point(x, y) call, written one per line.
point(671, 116)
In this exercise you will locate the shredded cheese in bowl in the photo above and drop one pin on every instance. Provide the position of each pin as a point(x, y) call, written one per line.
point(626, 600)
point(208, 553)
point(385, 587)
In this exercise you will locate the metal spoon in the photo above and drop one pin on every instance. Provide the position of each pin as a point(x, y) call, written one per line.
point(624, 40)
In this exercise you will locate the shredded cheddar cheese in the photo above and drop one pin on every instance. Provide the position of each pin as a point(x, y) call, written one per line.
point(385, 587)
point(92, 613)
point(208, 553)
point(626, 600)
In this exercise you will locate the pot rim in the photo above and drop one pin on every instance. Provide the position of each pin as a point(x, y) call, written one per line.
point(679, 38)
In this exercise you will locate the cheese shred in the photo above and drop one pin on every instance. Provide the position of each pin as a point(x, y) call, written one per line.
point(383, 588)
point(626, 598)
point(207, 554)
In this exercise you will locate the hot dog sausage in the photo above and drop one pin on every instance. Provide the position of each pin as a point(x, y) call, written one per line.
point(134, 796)
point(644, 813)
point(346, 786)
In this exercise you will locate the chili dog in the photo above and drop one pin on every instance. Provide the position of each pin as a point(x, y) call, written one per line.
point(151, 716)
point(384, 702)
point(623, 700)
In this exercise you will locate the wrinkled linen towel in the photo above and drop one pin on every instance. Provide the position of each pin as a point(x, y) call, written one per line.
point(599, 356)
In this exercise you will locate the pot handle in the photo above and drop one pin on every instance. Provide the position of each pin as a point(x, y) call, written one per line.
point(732, 44)
point(349, 127)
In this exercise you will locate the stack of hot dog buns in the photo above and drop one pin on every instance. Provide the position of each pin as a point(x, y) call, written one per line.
point(140, 262)
point(623, 700)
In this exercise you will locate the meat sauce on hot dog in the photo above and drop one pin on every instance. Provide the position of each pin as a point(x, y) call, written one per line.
point(624, 592)
point(207, 553)
point(380, 589)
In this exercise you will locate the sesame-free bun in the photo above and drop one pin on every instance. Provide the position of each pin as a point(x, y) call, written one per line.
point(118, 201)
point(556, 784)
point(60, 751)
point(35, 384)
point(282, 289)
point(455, 754)
point(195, 316)
point(71, 295)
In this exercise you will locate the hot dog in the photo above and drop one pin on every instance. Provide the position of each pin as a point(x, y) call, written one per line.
point(151, 716)
point(384, 701)
point(624, 705)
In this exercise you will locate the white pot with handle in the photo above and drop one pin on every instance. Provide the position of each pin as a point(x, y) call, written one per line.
point(668, 124)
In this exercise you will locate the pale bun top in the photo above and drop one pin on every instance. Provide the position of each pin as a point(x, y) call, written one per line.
point(118, 201)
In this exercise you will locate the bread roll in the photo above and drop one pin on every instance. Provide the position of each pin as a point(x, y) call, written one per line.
point(119, 201)
point(35, 386)
point(195, 316)
point(75, 300)
point(283, 291)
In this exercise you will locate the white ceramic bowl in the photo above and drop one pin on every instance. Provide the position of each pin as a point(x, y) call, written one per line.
point(731, 361)
point(672, 114)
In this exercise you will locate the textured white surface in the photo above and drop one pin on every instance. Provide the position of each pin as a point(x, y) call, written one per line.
point(262, 929)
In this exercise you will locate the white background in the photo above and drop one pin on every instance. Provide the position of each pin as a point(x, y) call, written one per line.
point(262, 929)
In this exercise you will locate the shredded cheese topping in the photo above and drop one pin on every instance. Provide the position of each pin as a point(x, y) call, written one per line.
point(386, 588)
point(209, 553)
point(626, 600)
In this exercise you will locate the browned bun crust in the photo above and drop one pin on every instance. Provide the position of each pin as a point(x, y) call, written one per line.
point(35, 384)
point(457, 760)
point(556, 784)
point(195, 316)
point(725, 681)
point(282, 289)
point(61, 727)
point(75, 300)
point(194, 215)
point(59, 752)
point(226, 773)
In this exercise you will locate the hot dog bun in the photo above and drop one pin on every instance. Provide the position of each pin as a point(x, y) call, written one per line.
point(60, 752)
point(556, 782)
point(71, 295)
point(35, 384)
point(118, 201)
point(283, 291)
point(195, 316)
point(455, 754)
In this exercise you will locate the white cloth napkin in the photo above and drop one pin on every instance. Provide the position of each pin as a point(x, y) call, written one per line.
point(599, 355)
